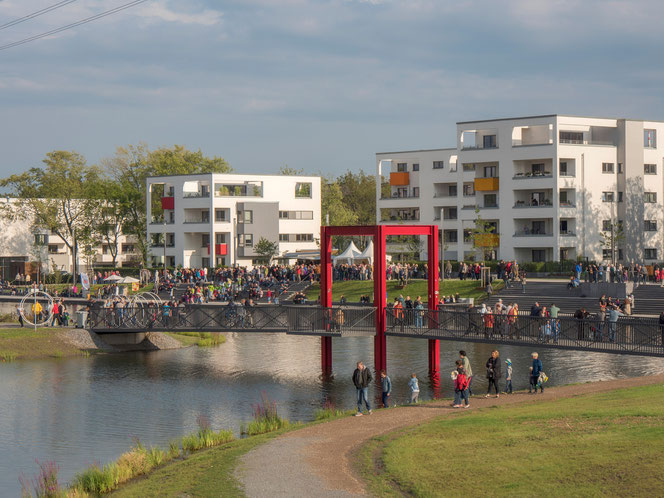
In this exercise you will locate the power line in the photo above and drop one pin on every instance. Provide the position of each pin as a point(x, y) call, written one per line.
point(38, 13)
point(73, 25)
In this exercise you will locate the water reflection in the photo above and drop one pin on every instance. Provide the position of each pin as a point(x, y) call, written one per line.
point(81, 410)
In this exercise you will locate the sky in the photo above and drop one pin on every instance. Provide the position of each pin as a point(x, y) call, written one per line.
point(317, 85)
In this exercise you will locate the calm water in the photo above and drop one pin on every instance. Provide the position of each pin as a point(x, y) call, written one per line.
point(83, 410)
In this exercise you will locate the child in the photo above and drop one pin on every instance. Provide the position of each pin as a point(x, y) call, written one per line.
point(460, 386)
point(386, 386)
point(414, 388)
point(508, 376)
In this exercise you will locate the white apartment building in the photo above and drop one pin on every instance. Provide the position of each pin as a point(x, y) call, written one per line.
point(234, 211)
point(549, 184)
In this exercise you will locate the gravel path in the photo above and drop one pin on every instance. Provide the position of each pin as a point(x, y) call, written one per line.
point(317, 460)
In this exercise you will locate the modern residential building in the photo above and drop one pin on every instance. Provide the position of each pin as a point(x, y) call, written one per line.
point(550, 185)
point(233, 211)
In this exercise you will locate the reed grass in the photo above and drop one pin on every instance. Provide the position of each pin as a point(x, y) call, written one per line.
point(266, 419)
point(7, 356)
point(45, 484)
point(330, 411)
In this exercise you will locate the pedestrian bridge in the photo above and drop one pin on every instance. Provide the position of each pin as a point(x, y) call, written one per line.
point(629, 335)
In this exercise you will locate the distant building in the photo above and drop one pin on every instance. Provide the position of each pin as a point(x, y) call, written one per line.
point(550, 185)
point(233, 211)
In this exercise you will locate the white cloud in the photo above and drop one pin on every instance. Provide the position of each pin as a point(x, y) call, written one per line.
point(159, 11)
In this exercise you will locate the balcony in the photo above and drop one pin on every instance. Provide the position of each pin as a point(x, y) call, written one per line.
point(195, 195)
point(572, 141)
point(486, 184)
point(399, 196)
point(399, 179)
point(567, 204)
point(532, 176)
point(219, 249)
point(568, 233)
point(546, 203)
point(157, 220)
point(529, 233)
point(197, 220)
point(168, 203)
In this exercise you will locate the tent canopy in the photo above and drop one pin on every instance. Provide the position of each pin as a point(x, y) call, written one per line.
point(368, 252)
point(350, 254)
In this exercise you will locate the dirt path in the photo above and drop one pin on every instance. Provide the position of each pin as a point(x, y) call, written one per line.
point(316, 461)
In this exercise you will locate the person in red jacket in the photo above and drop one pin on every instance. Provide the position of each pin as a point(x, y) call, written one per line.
point(461, 382)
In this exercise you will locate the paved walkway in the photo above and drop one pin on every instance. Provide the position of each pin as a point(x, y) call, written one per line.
point(317, 460)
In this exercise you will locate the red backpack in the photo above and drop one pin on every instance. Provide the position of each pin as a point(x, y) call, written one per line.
point(461, 382)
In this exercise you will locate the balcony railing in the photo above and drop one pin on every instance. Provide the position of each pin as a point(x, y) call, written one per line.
point(160, 221)
point(546, 203)
point(478, 147)
point(199, 220)
point(569, 141)
point(519, 143)
point(439, 195)
point(531, 176)
point(401, 196)
point(568, 233)
point(531, 233)
point(195, 195)
point(567, 204)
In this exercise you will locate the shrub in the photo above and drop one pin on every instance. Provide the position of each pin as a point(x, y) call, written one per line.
point(205, 437)
point(266, 419)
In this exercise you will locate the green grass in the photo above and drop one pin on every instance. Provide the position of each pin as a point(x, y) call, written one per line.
point(606, 444)
point(353, 289)
point(200, 339)
point(24, 343)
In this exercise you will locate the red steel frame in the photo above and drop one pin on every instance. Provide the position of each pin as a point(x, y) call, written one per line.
point(379, 234)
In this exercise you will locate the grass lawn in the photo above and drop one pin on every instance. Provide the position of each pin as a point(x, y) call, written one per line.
point(198, 338)
point(25, 343)
point(607, 444)
point(353, 289)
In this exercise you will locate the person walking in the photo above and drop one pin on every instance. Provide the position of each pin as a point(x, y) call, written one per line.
point(614, 314)
point(460, 386)
point(362, 379)
point(414, 387)
point(508, 376)
point(386, 388)
point(535, 371)
point(469, 371)
point(493, 373)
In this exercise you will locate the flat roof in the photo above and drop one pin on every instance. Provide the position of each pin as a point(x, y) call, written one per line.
point(417, 150)
point(554, 116)
point(235, 174)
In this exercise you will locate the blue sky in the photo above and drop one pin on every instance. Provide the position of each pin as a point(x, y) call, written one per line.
point(318, 85)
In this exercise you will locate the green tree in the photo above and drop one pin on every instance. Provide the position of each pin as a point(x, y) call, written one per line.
point(288, 171)
point(359, 195)
point(485, 240)
point(56, 197)
point(612, 236)
point(266, 249)
point(130, 168)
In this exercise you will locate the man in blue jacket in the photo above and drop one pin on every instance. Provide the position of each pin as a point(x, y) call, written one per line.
point(362, 379)
point(386, 387)
point(535, 371)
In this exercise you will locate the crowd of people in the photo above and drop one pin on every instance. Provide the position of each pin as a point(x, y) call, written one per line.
point(462, 380)
point(619, 273)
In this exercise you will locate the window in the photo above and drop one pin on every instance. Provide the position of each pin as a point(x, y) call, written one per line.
point(126, 248)
point(650, 197)
point(607, 197)
point(416, 191)
point(563, 168)
point(607, 167)
point(563, 226)
point(469, 167)
point(650, 254)
point(219, 215)
point(104, 249)
point(205, 239)
point(537, 168)
point(650, 139)
point(246, 239)
point(467, 235)
point(450, 213)
point(489, 141)
point(438, 164)
point(539, 255)
point(205, 216)
point(563, 198)
point(247, 216)
point(451, 236)
point(468, 189)
point(620, 254)
point(303, 190)
point(538, 227)
point(219, 238)
point(304, 237)
point(490, 200)
point(283, 237)
point(649, 169)
point(571, 137)
point(296, 215)
point(606, 254)
point(402, 167)
point(452, 191)
point(41, 239)
point(650, 226)
point(416, 167)
point(620, 196)
point(490, 171)
point(620, 167)
point(606, 225)
point(170, 240)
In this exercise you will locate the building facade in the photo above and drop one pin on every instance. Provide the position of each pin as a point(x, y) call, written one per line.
point(554, 187)
point(232, 211)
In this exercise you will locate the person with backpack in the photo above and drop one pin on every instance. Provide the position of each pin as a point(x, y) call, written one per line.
point(493, 373)
point(469, 370)
point(362, 379)
point(460, 386)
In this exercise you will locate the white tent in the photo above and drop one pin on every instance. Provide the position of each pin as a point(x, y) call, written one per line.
point(113, 278)
point(350, 254)
point(128, 280)
point(368, 252)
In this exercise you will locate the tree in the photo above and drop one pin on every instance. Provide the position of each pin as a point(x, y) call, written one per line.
point(56, 197)
point(612, 238)
point(359, 195)
point(484, 238)
point(288, 171)
point(130, 168)
point(266, 249)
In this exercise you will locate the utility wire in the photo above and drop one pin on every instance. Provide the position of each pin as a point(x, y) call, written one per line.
point(38, 13)
point(73, 25)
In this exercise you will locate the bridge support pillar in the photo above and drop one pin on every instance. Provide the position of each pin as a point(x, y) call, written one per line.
point(434, 356)
point(326, 355)
point(380, 353)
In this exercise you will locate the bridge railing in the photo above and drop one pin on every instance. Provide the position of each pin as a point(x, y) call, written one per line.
point(635, 335)
point(334, 321)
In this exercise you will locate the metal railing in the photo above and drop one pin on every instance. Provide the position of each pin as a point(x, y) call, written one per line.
point(628, 335)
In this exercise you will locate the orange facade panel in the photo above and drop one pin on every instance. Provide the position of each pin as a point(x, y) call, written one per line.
point(399, 179)
point(486, 184)
point(487, 240)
